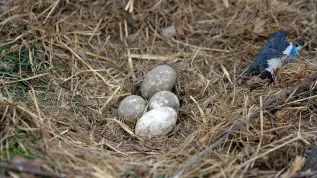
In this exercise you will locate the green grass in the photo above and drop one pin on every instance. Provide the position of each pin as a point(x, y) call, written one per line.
point(14, 60)
point(15, 150)
point(19, 91)
point(16, 92)
point(19, 61)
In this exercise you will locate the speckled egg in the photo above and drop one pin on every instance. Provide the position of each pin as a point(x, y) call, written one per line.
point(131, 108)
point(164, 98)
point(156, 122)
point(161, 78)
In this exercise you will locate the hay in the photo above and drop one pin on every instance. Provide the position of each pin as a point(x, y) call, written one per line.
point(68, 64)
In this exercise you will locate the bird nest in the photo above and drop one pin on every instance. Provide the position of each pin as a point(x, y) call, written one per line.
point(66, 65)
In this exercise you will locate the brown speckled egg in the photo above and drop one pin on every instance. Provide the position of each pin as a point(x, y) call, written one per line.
point(164, 98)
point(131, 108)
point(161, 78)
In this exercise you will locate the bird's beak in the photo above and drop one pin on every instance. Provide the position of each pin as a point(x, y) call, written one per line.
point(299, 47)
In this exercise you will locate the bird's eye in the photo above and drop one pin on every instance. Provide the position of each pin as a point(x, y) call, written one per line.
point(300, 43)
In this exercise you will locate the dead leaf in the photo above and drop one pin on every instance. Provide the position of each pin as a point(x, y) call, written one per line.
point(14, 48)
point(258, 26)
point(169, 32)
point(80, 53)
point(281, 116)
point(88, 102)
point(256, 80)
point(179, 29)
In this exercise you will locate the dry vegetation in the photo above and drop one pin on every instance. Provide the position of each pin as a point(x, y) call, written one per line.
point(66, 64)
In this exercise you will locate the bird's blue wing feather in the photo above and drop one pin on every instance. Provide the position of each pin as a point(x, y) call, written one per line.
point(274, 47)
point(293, 52)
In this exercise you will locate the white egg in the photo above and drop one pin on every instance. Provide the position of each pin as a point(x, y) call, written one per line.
point(164, 98)
point(157, 122)
point(131, 108)
point(161, 78)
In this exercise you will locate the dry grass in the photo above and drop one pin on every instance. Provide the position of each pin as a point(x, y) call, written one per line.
point(84, 56)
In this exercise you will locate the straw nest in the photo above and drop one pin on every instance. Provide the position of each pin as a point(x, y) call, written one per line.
point(66, 65)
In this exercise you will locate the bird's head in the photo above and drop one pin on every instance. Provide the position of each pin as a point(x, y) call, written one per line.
point(299, 44)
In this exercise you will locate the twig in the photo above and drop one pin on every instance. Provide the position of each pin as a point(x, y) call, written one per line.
point(52, 10)
point(200, 109)
point(26, 79)
point(109, 99)
point(29, 171)
point(201, 48)
point(12, 18)
point(86, 64)
point(236, 127)
point(155, 57)
point(124, 127)
point(224, 69)
point(130, 62)
point(157, 4)
point(100, 57)
point(208, 150)
point(35, 101)
point(129, 6)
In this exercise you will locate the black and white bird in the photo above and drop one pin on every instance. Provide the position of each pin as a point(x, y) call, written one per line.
point(276, 53)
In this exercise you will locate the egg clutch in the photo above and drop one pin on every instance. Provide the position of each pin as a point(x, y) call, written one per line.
point(155, 111)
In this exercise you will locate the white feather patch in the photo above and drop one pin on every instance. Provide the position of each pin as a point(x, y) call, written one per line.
point(273, 64)
point(288, 50)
